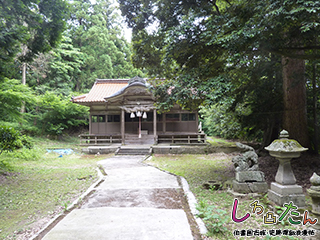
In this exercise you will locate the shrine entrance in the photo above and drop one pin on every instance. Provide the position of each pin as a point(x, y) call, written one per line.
point(140, 121)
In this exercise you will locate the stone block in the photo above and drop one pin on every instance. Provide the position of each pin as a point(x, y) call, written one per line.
point(315, 196)
point(100, 149)
point(249, 187)
point(279, 199)
point(259, 187)
point(240, 187)
point(286, 189)
point(250, 176)
point(315, 188)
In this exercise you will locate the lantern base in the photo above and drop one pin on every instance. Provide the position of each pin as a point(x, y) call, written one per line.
point(281, 194)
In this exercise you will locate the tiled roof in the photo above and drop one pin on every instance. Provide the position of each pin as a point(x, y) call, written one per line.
point(102, 88)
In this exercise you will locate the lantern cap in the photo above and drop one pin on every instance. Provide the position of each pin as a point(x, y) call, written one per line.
point(285, 145)
point(284, 134)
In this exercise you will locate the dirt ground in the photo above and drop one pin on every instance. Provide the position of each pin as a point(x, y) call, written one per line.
point(303, 168)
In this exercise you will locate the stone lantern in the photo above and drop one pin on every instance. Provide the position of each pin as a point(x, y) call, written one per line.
point(314, 193)
point(285, 188)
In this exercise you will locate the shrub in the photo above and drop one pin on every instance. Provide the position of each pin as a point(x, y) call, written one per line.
point(26, 141)
point(57, 114)
point(218, 122)
point(10, 139)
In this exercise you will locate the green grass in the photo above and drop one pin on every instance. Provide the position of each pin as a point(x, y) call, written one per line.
point(196, 168)
point(217, 205)
point(38, 184)
point(216, 141)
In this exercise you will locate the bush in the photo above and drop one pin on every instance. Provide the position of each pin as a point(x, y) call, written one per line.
point(26, 141)
point(57, 114)
point(10, 139)
point(219, 122)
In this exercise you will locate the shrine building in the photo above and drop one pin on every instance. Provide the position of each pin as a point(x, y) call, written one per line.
point(123, 111)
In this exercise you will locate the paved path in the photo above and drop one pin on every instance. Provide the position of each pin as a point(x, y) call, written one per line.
point(135, 202)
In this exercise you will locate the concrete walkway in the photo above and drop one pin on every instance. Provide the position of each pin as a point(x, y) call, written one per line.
point(134, 202)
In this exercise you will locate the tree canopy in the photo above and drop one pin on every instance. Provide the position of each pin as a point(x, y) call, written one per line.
point(207, 40)
point(96, 30)
point(37, 24)
point(62, 47)
point(252, 60)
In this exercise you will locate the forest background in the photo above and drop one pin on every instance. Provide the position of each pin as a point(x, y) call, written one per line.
point(53, 50)
point(250, 67)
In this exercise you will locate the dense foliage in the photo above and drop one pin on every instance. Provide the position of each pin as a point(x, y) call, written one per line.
point(250, 65)
point(10, 140)
point(36, 25)
point(250, 51)
point(61, 47)
point(96, 31)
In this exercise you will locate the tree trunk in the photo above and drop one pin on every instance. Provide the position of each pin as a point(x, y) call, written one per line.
point(295, 102)
point(315, 120)
point(24, 78)
point(23, 82)
point(272, 130)
point(24, 72)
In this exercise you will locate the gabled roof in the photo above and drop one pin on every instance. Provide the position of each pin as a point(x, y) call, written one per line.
point(101, 89)
point(135, 83)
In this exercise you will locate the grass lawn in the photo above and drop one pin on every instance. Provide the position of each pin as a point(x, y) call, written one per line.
point(38, 185)
point(216, 141)
point(216, 205)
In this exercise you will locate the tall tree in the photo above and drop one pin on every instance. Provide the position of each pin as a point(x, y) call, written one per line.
point(57, 70)
point(96, 30)
point(12, 93)
point(199, 35)
point(37, 24)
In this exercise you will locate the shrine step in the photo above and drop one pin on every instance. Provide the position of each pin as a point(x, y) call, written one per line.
point(134, 151)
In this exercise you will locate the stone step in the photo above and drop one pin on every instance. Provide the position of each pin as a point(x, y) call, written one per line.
point(133, 151)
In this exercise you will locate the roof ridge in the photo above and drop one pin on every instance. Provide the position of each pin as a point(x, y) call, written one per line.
point(112, 80)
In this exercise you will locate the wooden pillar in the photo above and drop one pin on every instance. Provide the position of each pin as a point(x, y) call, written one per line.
point(122, 127)
point(155, 126)
point(197, 121)
point(90, 124)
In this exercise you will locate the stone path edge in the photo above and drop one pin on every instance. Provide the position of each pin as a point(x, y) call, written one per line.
point(39, 235)
point(192, 202)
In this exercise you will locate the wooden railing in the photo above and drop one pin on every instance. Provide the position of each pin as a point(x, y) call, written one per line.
point(99, 139)
point(186, 138)
point(173, 138)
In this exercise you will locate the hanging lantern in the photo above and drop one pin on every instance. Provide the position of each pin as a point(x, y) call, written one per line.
point(144, 115)
point(139, 114)
point(132, 115)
